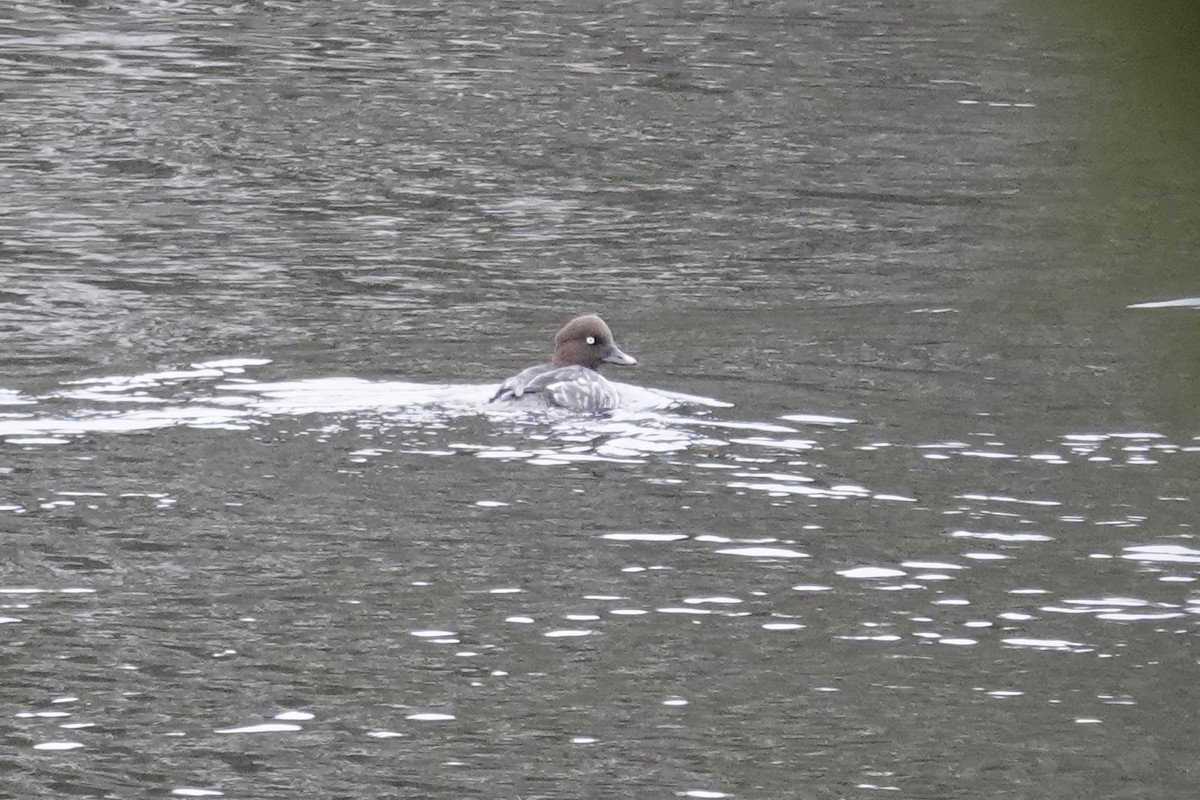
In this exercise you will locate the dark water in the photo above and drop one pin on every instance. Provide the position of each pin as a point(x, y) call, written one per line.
point(902, 501)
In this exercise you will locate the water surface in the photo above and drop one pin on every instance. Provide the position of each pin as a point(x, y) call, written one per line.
point(901, 499)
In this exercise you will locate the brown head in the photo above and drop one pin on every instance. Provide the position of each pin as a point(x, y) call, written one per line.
point(588, 342)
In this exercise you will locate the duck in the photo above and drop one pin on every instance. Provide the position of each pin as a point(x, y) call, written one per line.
point(571, 379)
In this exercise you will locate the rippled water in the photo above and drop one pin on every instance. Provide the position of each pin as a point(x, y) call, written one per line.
point(899, 501)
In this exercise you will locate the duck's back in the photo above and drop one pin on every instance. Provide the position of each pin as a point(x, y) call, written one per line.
point(574, 387)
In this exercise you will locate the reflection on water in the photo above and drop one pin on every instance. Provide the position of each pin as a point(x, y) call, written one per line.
point(878, 562)
point(694, 454)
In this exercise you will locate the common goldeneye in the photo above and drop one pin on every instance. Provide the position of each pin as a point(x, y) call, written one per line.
point(570, 380)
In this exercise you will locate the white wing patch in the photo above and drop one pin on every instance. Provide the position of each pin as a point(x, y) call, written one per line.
point(583, 393)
